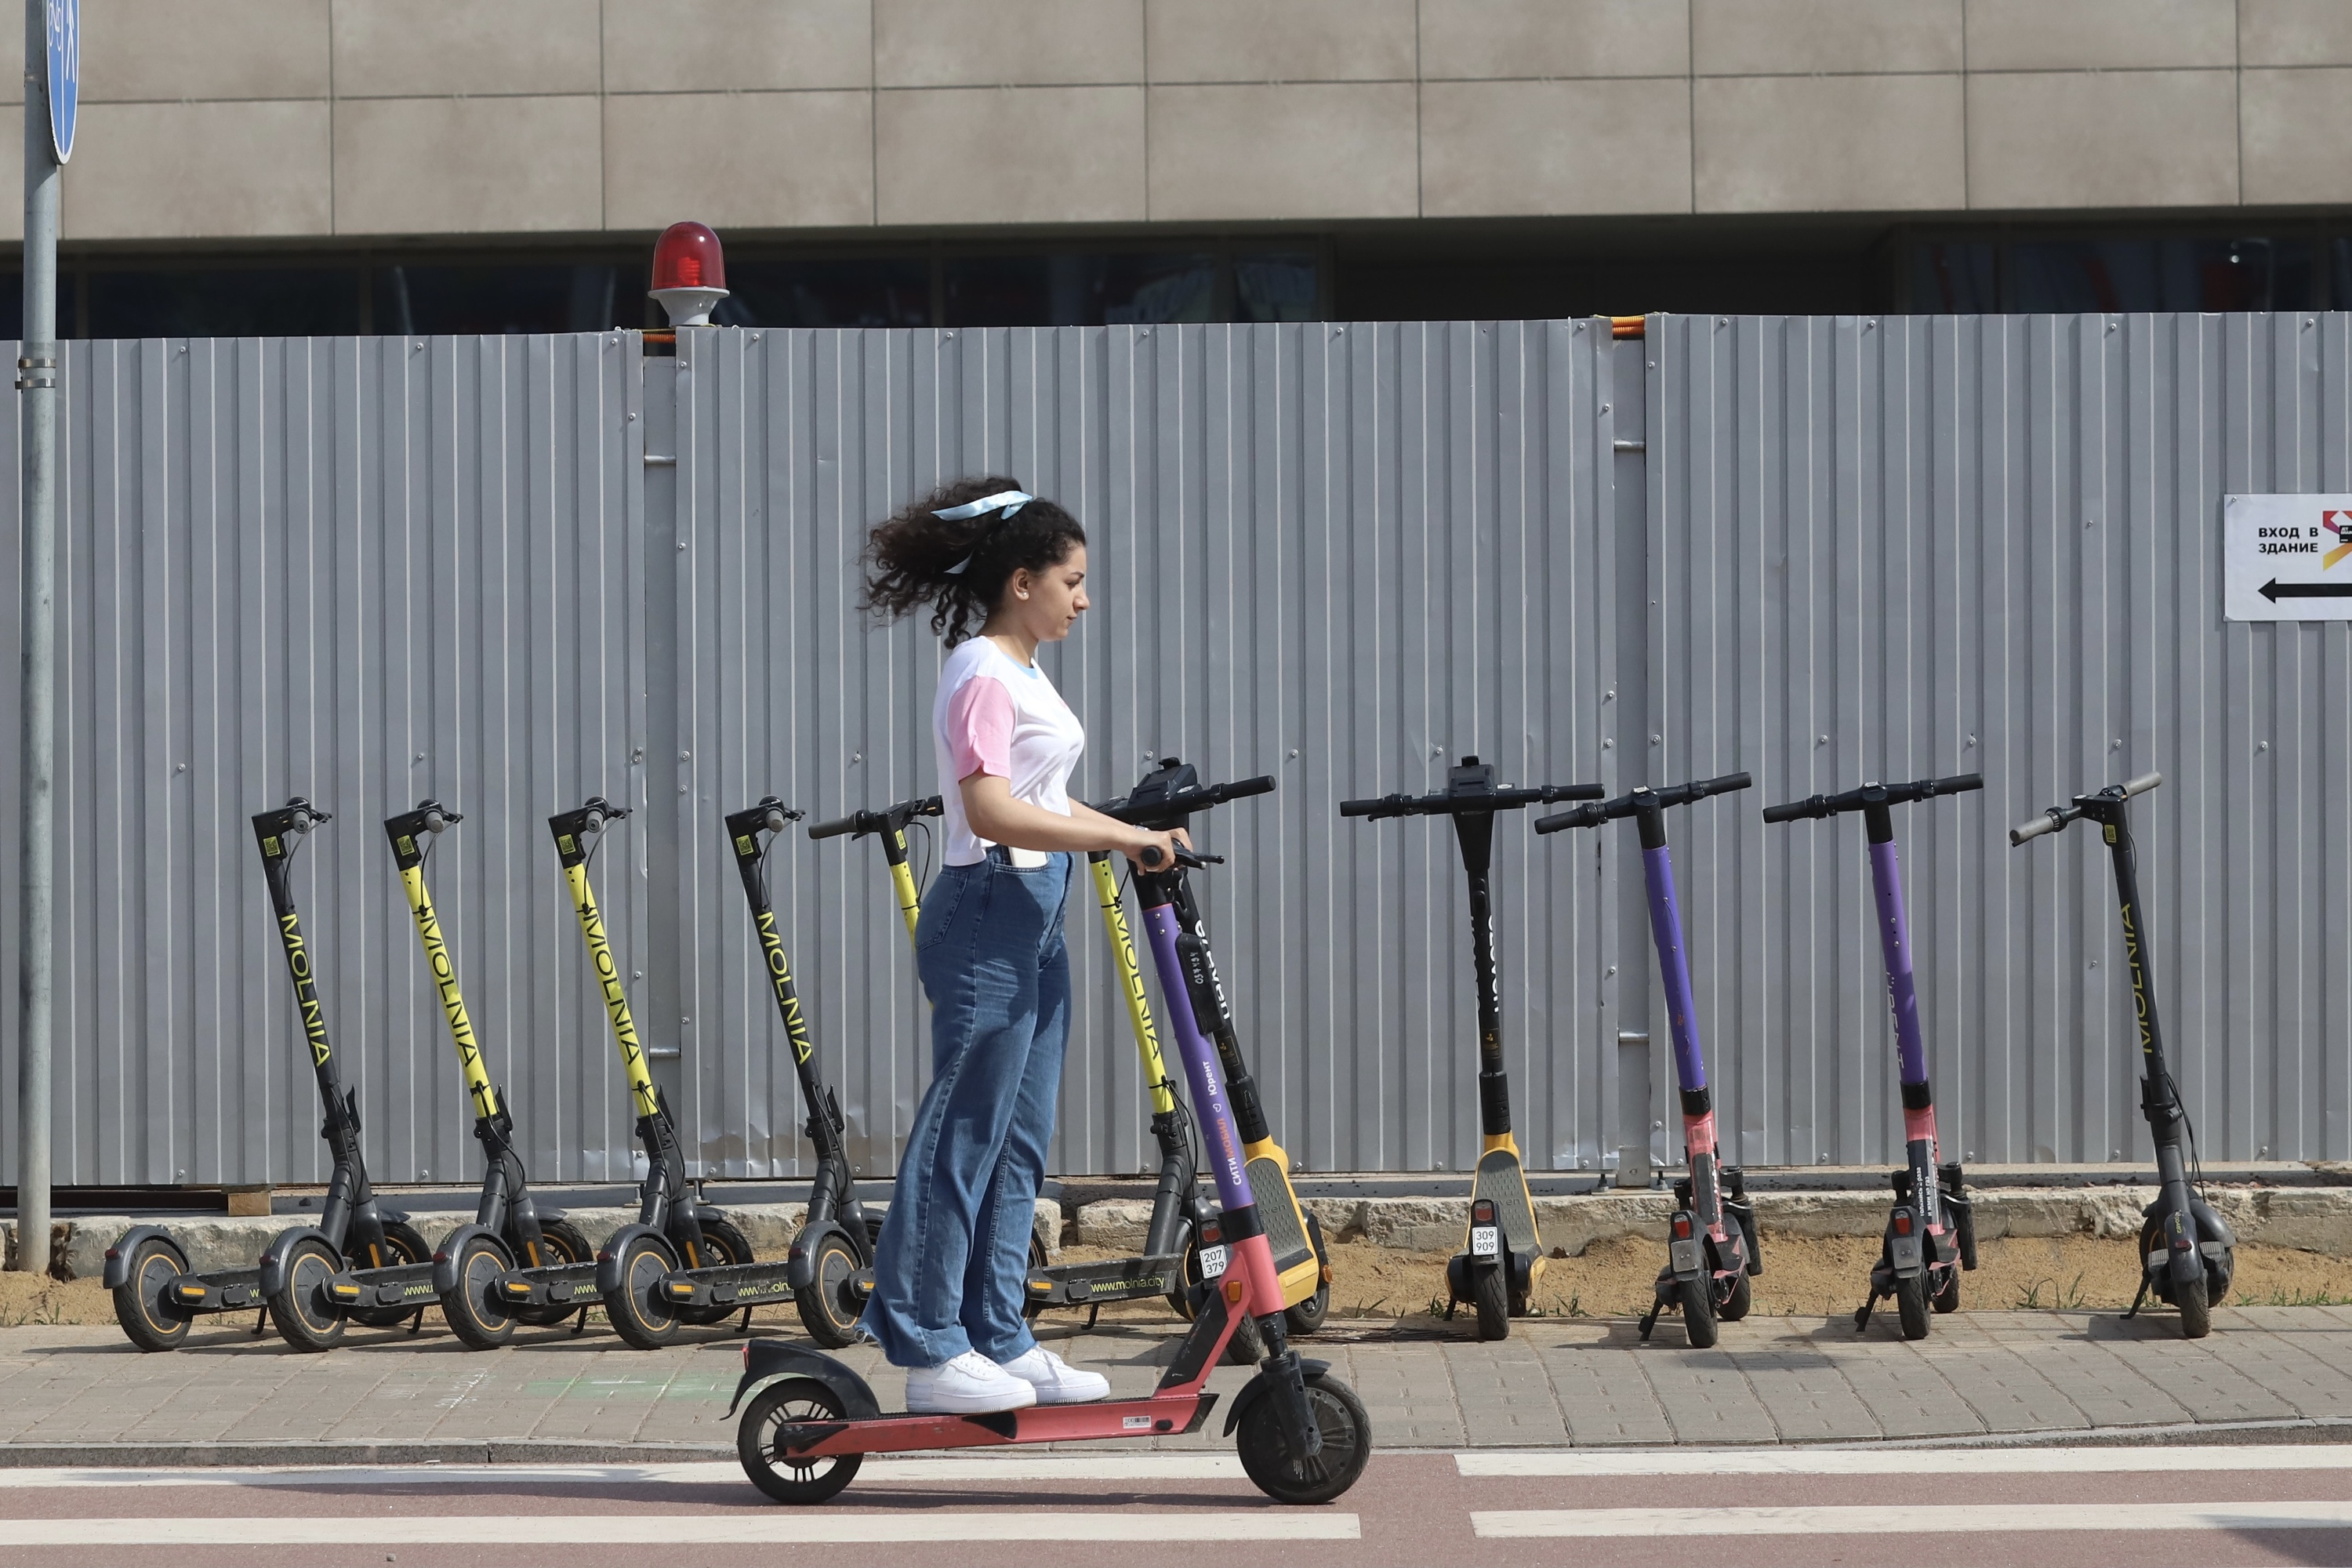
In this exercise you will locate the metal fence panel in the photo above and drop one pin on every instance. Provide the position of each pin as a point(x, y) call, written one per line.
point(361, 570)
point(1269, 509)
point(1886, 548)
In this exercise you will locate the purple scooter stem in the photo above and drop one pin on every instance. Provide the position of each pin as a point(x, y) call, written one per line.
point(1200, 1057)
point(1673, 968)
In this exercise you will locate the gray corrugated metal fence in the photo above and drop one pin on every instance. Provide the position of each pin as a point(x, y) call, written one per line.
point(371, 569)
point(1886, 548)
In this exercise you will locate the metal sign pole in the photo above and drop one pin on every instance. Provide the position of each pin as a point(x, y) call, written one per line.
point(37, 384)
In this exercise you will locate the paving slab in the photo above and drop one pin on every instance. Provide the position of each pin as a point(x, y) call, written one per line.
point(86, 1392)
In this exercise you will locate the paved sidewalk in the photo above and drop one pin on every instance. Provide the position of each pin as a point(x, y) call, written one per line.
point(84, 1395)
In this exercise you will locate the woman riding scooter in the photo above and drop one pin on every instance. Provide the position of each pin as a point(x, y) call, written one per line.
point(1002, 572)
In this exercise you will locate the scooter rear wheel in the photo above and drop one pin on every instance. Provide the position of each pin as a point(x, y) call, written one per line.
point(1305, 1317)
point(1490, 1294)
point(800, 1481)
point(829, 1306)
point(303, 1315)
point(147, 1317)
point(562, 1242)
point(1347, 1433)
point(475, 1314)
point(640, 1314)
point(403, 1242)
point(1697, 1297)
point(1911, 1305)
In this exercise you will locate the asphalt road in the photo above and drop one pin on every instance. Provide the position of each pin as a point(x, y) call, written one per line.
point(2155, 1507)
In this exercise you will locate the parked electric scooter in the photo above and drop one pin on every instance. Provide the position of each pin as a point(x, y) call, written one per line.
point(155, 1296)
point(509, 1226)
point(1304, 1437)
point(2187, 1254)
point(1711, 1248)
point(1503, 1255)
point(674, 1228)
point(1931, 1232)
point(836, 1240)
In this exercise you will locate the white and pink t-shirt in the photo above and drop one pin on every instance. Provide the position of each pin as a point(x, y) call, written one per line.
point(996, 715)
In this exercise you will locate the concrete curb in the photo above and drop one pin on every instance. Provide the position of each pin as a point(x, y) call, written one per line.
point(213, 1242)
point(2314, 1219)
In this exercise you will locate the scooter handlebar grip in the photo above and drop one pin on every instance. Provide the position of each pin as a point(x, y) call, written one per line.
point(1262, 784)
point(1151, 856)
point(1794, 811)
point(2048, 822)
point(1727, 785)
point(1366, 807)
point(1582, 816)
point(837, 827)
point(2142, 785)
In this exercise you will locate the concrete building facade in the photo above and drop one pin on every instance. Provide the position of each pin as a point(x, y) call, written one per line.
point(1494, 153)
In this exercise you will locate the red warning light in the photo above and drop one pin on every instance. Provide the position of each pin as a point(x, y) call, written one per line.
point(690, 273)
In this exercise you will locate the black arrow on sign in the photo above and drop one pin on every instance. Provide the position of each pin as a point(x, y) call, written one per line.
point(2275, 590)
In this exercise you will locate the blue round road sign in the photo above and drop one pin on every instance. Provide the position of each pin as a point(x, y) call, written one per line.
point(65, 73)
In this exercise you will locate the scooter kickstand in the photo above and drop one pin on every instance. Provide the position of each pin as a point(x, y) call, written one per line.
point(744, 1327)
point(261, 1321)
point(1651, 1319)
point(1862, 1314)
point(2138, 1299)
point(417, 1324)
point(580, 1323)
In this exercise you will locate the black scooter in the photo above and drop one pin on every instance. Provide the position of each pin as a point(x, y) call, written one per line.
point(2187, 1254)
point(836, 1242)
point(1503, 1255)
point(509, 1226)
point(155, 1296)
point(674, 1227)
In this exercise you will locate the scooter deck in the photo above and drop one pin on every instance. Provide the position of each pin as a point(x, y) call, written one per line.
point(1501, 1181)
point(401, 1284)
point(230, 1290)
point(1286, 1230)
point(558, 1285)
point(1114, 1279)
point(1157, 1415)
point(729, 1285)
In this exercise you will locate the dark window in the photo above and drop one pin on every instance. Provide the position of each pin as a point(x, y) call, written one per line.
point(583, 299)
point(1274, 288)
point(1080, 290)
point(2159, 275)
point(12, 305)
point(896, 293)
point(227, 302)
point(1959, 279)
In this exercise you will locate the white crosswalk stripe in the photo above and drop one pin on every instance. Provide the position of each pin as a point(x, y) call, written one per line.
point(1590, 1463)
point(1911, 1519)
point(1025, 1467)
point(771, 1526)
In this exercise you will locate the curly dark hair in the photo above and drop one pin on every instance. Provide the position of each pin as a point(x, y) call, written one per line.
point(909, 553)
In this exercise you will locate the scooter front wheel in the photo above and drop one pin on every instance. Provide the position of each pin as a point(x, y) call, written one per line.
point(1347, 1433)
point(139, 1306)
point(776, 1407)
point(729, 1247)
point(301, 1310)
point(2195, 1309)
point(476, 1315)
point(1697, 1294)
point(640, 1314)
point(829, 1306)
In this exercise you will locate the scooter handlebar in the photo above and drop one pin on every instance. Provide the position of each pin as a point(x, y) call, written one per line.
point(1594, 815)
point(859, 823)
point(2050, 821)
point(1446, 803)
point(1822, 806)
point(2142, 785)
point(1184, 803)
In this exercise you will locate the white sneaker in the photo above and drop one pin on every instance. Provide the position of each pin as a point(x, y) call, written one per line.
point(968, 1384)
point(1056, 1380)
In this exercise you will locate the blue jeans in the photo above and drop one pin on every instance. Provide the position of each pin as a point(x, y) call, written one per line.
point(951, 1270)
